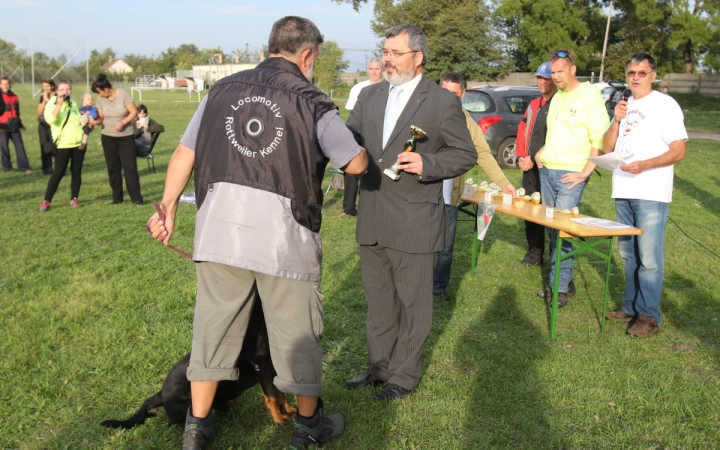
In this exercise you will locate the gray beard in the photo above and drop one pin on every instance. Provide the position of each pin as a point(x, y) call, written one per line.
point(309, 74)
point(398, 78)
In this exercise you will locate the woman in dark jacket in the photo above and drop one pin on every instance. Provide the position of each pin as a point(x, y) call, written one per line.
point(48, 92)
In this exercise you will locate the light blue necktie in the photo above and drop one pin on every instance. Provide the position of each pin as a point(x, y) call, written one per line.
point(392, 112)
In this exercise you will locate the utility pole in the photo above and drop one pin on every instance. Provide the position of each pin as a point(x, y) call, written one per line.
point(607, 32)
point(32, 67)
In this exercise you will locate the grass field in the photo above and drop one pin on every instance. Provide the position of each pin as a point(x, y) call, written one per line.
point(702, 113)
point(94, 314)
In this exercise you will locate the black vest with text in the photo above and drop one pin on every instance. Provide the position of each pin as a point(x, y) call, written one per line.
point(258, 130)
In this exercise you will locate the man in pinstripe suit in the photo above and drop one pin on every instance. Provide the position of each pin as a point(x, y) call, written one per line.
point(402, 225)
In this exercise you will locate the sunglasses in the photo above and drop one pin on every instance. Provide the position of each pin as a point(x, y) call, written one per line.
point(640, 73)
point(562, 54)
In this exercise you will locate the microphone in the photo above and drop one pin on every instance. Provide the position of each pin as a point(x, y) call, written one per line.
point(626, 94)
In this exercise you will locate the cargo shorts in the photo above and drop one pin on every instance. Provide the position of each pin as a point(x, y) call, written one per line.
point(293, 314)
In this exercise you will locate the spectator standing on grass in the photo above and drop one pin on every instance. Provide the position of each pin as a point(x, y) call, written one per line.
point(530, 139)
point(143, 128)
point(453, 187)
point(259, 143)
point(402, 223)
point(649, 133)
point(576, 122)
point(63, 116)
point(10, 126)
point(116, 112)
point(44, 133)
point(350, 190)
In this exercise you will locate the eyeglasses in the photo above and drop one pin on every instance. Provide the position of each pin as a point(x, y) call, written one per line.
point(396, 54)
point(562, 54)
point(640, 73)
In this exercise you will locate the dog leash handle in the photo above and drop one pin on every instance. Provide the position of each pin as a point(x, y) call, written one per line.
point(161, 216)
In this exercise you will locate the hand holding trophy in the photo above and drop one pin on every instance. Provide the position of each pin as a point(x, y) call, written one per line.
point(416, 133)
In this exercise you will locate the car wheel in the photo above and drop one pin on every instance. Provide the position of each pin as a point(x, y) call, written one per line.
point(506, 154)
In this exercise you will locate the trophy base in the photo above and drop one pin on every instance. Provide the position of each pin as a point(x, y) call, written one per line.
point(392, 174)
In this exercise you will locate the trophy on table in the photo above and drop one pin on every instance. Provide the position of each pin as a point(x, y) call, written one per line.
point(416, 133)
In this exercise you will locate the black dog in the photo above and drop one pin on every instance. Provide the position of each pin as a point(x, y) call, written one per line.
point(254, 364)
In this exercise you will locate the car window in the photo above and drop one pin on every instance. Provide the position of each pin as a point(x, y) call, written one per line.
point(608, 90)
point(475, 101)
point(518, 104)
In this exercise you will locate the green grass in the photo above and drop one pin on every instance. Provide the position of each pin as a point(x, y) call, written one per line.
point(94, 314)
point(702, 112)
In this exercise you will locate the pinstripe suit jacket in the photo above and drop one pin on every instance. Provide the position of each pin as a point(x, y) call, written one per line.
point(409, 214)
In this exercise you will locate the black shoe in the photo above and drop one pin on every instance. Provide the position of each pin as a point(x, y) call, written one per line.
point(391, 392)
point(442, 296)
point(139, 202)
point(199, 433)
point(326, 429)
point(116, 202)
point(532, 259)
point(363, 380)
point(547, 293)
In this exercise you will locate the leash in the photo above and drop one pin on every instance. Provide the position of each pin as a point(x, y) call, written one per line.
point(161, 216)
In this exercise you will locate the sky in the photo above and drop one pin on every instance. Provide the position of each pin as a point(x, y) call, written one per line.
point(62, 26)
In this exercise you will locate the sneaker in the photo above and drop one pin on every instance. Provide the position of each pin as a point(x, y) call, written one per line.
point(532, 259)
point(441, 296)
point(83, 146)
point(644, 326)
point(327, 428)
point(74, 203)
point(547, 293)
point(619, 316)
point(199, 433)
point(45, 205)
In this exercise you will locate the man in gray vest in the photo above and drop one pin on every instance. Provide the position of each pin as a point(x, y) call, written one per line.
point(253, 146)
point(402, 223)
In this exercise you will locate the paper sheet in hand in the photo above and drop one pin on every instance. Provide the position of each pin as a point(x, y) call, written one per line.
point(602, 223)
point(486, 211)
point(608, 161)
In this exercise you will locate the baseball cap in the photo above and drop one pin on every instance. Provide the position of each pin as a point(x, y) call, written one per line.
point(543, 70)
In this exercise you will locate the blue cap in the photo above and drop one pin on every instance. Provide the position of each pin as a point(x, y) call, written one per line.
point(544, 70)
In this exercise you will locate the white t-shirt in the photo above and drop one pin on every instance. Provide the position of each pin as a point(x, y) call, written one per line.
point(354, 93)
point(647, 130)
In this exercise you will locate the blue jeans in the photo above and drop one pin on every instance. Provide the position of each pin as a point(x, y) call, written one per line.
point(441, 276)
point(556, 193)
point(644, 255)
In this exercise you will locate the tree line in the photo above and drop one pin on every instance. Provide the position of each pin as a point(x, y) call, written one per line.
point(182, 57)
point(483, 40)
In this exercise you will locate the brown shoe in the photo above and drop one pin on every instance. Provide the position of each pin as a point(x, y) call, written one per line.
point(619, 316)
point(644, 326)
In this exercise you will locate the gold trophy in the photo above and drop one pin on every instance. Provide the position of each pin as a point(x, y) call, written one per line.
point(416, 133)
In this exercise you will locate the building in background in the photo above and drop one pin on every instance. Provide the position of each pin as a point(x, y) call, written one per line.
point(116, 66)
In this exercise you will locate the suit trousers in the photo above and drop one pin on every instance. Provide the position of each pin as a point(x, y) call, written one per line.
point(534, 233)
point(120, 157)
point(398, 287)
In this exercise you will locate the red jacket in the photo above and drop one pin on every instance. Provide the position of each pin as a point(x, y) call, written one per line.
point(526, 126)
point(11, 111)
